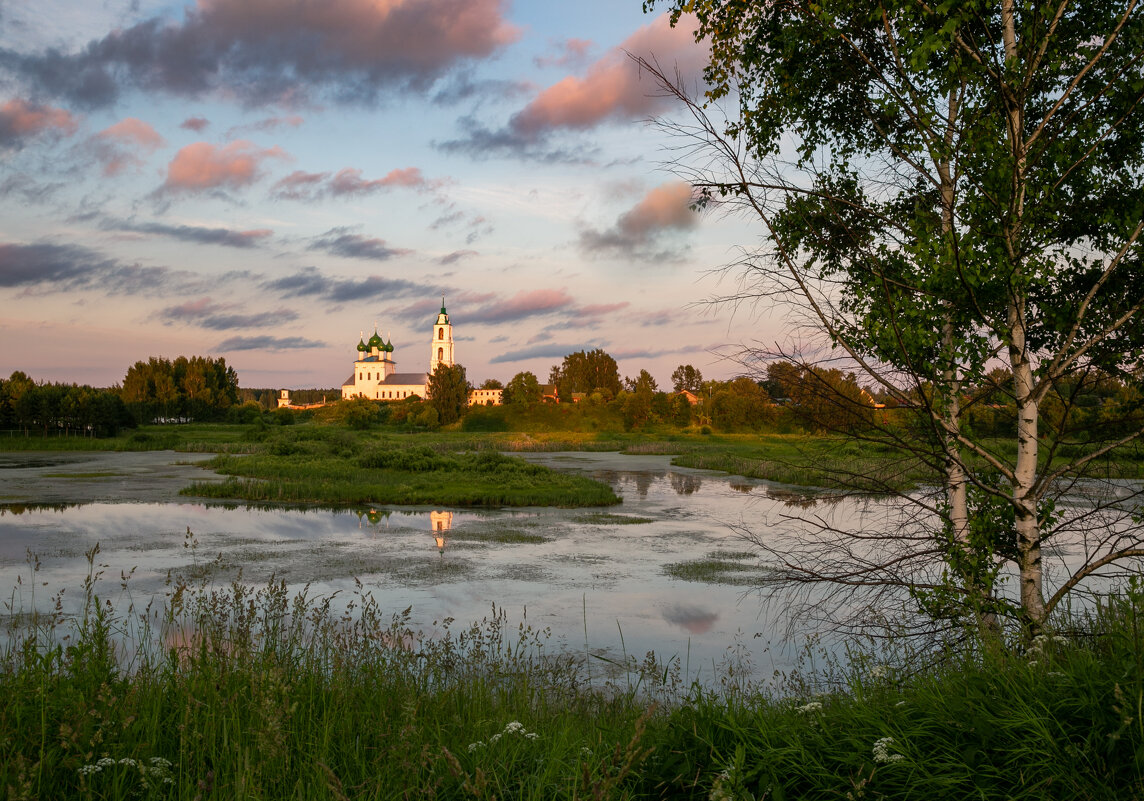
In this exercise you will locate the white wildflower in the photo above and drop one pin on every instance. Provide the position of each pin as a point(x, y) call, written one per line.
point(900, 703)
point(531, 735)
point(494, 738)
point(128, 761)
point(515, 726)
point(159, 762)
point(106, 762)
point(880, 672)
point(806, 709)
point(477, 745)
point(87, 770)
point(585, 751)
point(882, 750)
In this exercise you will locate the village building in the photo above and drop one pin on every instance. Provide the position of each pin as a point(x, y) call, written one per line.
point(486, 397)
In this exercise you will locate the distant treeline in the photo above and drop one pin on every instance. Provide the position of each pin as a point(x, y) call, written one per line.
point(196, 388)
point(157, 390)
point(64, 408)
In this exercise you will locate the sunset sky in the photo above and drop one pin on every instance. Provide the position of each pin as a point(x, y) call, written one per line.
point(264, 179)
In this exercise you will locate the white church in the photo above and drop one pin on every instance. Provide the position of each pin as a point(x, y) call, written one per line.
point(375, 373)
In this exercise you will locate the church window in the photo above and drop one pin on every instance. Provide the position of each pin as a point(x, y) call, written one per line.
point(440, 354)
point(440, 333)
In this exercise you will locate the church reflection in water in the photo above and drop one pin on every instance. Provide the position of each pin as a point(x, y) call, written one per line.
point(440, 522)
point(374, 522)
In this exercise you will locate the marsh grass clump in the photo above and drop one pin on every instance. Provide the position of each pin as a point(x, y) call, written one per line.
point(300, 467)
point(606, 519)
point(715, 570)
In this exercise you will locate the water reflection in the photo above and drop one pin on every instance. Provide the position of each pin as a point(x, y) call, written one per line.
point(645, 480)
point(685, 483)
point(692, 619)
point(29, 508)
point(440, 522)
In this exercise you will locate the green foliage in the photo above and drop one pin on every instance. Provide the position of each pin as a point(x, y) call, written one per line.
point(587, 371)
point(686, 377)
point(939, 187)
point(195, 388)
point(448, 396)
point(524, 388)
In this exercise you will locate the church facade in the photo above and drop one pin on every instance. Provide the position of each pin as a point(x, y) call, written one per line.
point(375, 373)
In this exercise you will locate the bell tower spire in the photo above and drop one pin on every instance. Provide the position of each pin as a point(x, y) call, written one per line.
point(442, 345)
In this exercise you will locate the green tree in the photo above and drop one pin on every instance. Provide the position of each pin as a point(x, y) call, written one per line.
point(587, 371)
point(741, 403)
point(491, 383)
point(448, 393)
point(964, 186)
point(524, 388)
point(686, 377)
point(681, 411)
point(643, 381)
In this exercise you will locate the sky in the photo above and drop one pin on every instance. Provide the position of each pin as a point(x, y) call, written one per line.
point(268, 180)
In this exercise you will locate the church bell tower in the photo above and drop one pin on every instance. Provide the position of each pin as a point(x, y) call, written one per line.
point(442, 346)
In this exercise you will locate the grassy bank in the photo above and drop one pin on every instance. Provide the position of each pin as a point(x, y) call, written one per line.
point(798, 459)
point(233, 693)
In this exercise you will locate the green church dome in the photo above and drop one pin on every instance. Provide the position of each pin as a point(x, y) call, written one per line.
point(361, 346)
point(374, 341)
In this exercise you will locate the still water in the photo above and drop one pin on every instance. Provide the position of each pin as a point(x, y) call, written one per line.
point(601, 579)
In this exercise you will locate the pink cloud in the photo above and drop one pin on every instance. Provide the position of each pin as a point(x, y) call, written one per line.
point(268, 51)
point(20, 120)
point(201, 165)
point(124, 144)
point(349, 181)
point(301, 185)
point(521, 305)
point(612, 88)
point(664, 208)
point(196, 124)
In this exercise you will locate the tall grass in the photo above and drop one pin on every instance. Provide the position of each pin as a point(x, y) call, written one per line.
point(237, 692)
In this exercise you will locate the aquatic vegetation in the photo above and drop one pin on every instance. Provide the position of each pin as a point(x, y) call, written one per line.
point(715, 571)
point(607, 519)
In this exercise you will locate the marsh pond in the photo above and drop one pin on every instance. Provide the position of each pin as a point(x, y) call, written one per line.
point(663, 571)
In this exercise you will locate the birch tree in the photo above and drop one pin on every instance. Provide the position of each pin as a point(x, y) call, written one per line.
point(943, 189)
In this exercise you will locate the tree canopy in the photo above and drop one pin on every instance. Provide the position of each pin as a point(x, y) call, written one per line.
point(198, 388)
point(943, 189)
point(587, 371)
point(448, 392)
point(523, 388)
